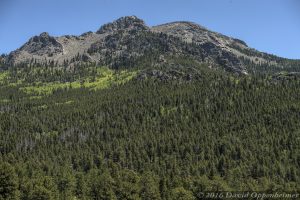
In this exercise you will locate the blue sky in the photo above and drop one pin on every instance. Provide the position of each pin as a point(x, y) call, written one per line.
point(271, 26)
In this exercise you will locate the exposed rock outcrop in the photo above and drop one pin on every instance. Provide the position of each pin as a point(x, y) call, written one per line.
point(43, 44)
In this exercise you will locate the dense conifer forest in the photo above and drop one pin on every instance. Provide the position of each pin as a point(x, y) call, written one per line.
point(115, 136)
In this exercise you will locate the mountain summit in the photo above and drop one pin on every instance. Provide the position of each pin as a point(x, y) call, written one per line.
point(128, 39)
point(124, 23)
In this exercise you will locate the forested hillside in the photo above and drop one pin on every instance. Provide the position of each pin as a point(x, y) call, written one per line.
point(100, 133)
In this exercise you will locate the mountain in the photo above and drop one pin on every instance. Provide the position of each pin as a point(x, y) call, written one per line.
point(127, 40)
point(136, 112)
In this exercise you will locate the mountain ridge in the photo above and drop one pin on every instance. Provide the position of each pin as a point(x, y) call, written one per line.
point(128, 39)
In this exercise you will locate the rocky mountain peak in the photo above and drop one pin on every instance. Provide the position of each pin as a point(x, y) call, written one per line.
point(42, 44)
point(43, 38)
point(44, 34)
point(128, 22)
